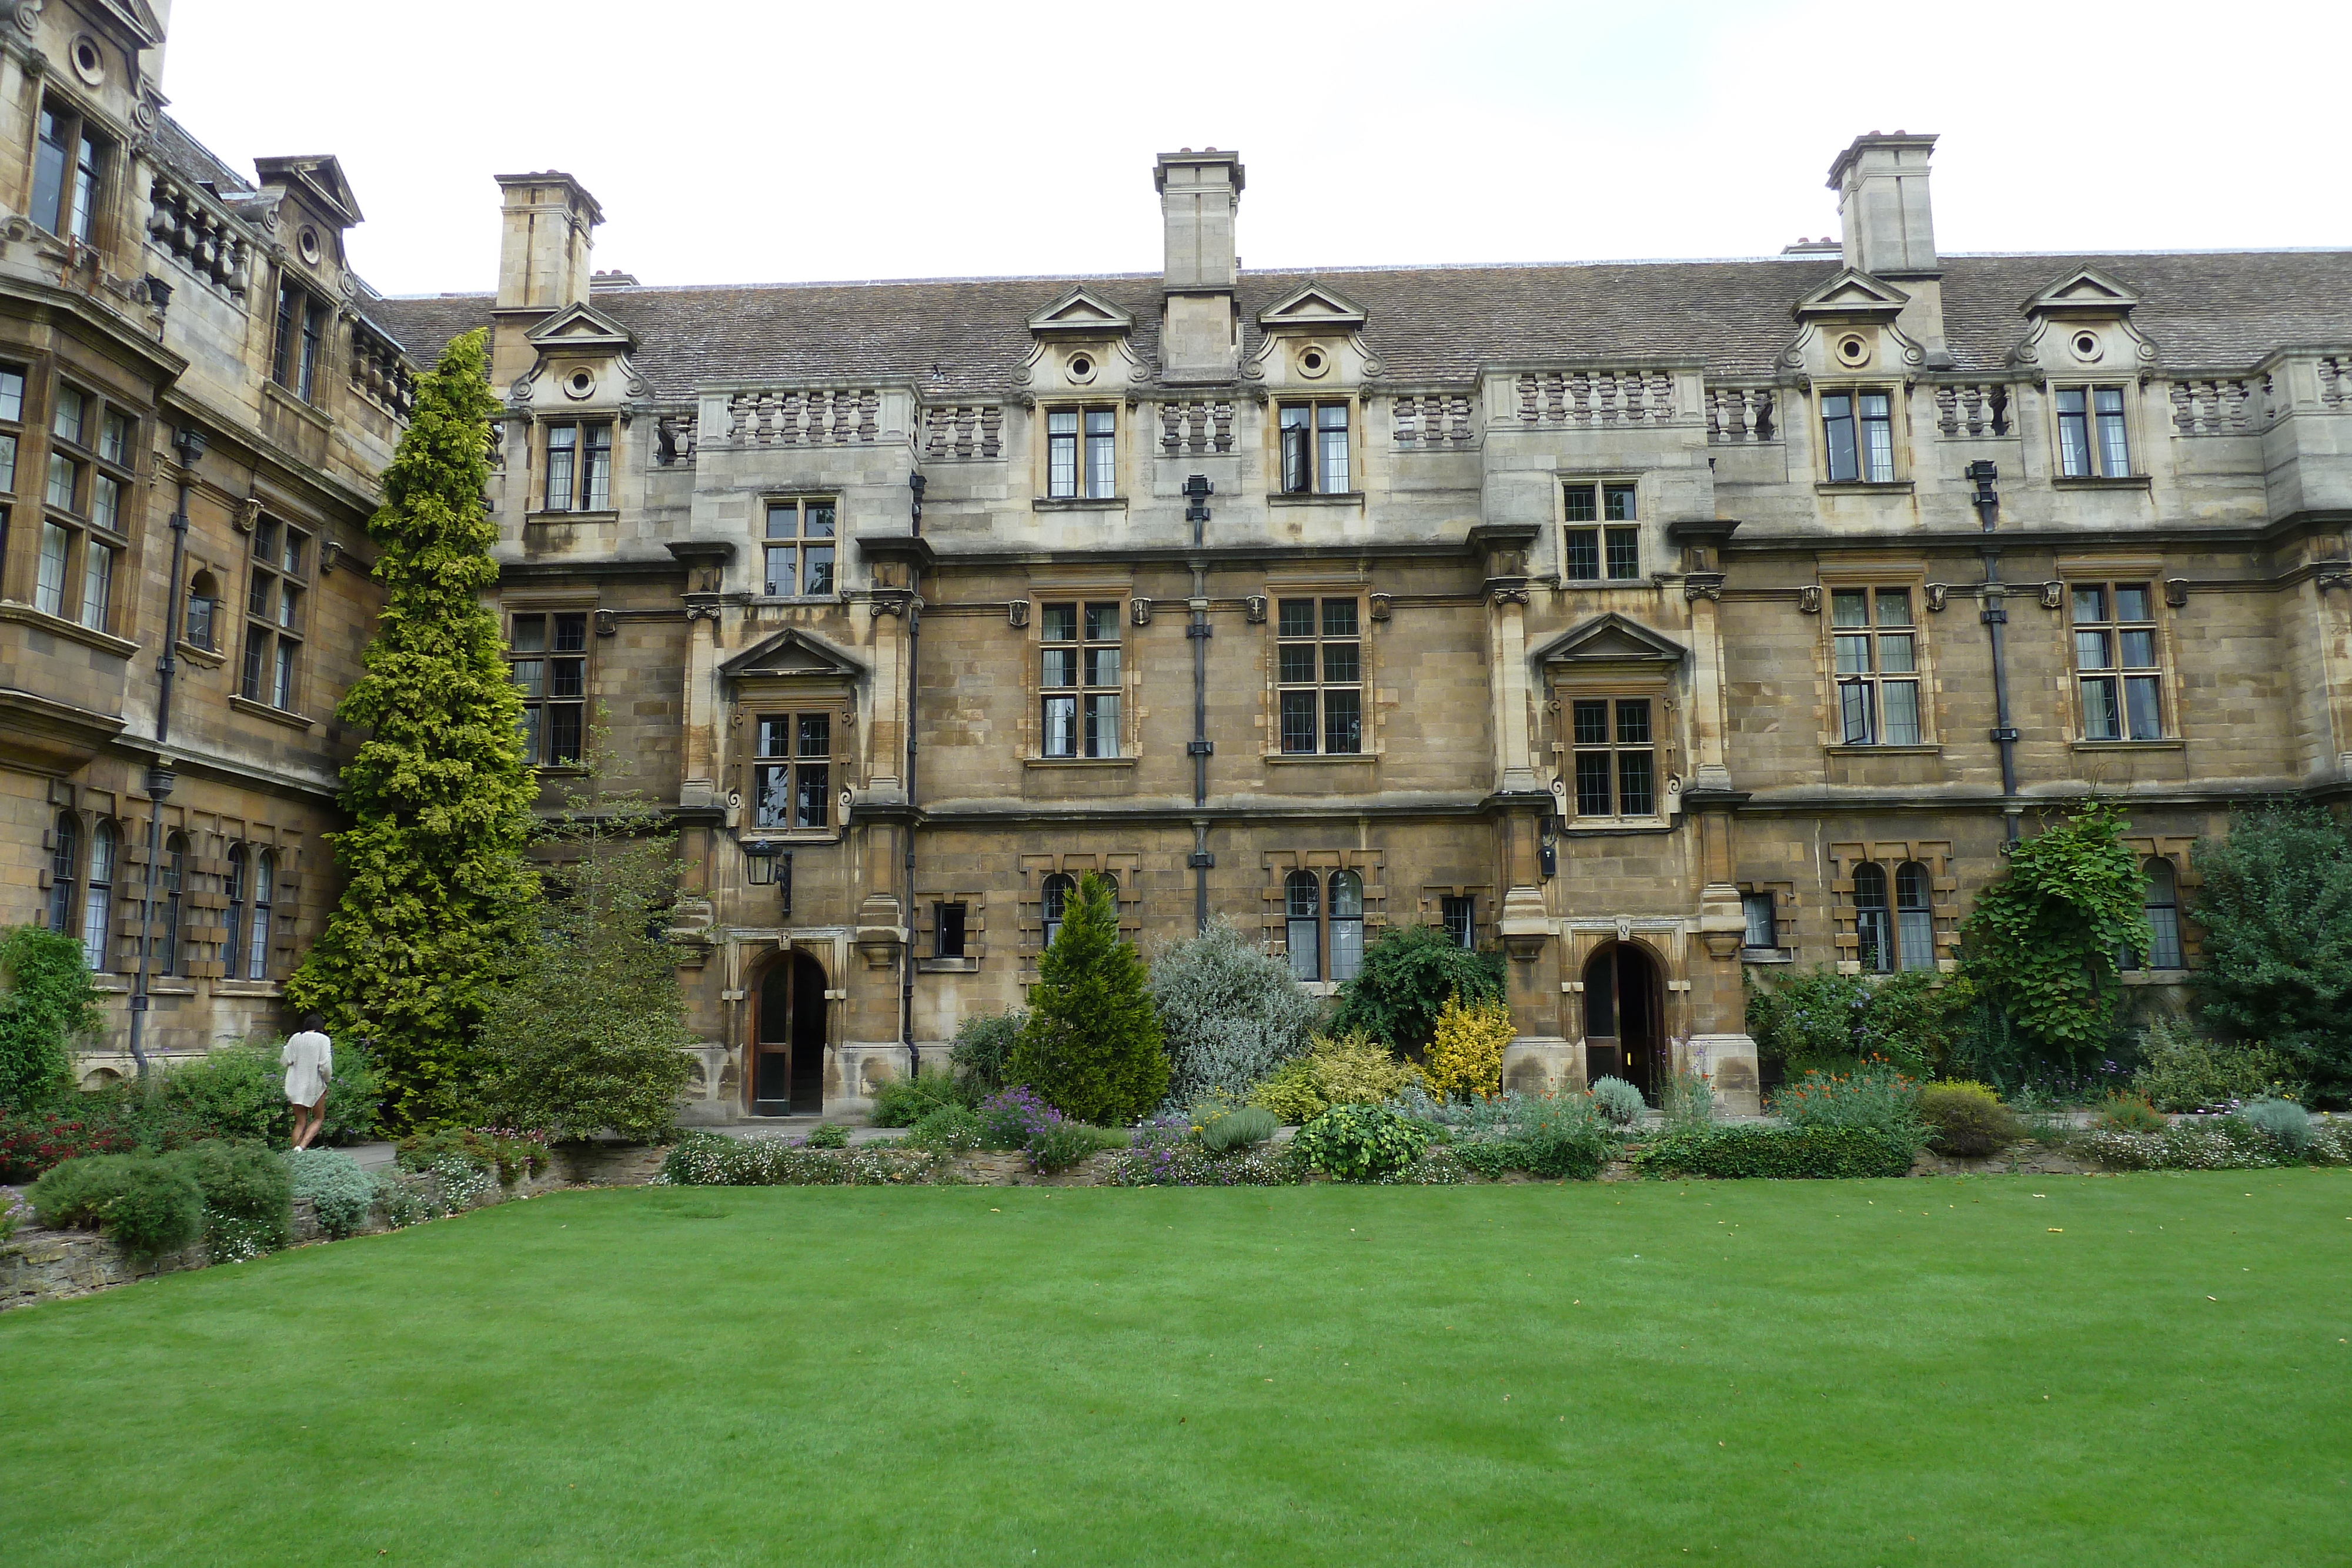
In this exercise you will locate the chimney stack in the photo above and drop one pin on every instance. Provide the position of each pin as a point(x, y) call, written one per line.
point(547, 221)
point(1889, 228)
point(1199, 341)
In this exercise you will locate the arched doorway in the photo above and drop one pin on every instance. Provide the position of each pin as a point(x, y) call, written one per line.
point(1625, 1019)
point(788, 1038)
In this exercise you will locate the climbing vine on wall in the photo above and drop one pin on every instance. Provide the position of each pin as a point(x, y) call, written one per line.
point(2043, 942)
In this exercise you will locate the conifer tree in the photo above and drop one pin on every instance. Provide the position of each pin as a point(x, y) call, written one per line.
point(1091, 1046)
point(439, 795)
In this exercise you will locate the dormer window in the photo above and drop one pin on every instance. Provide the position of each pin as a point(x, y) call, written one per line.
point(1858, 436)
point(2091, 439)
point(69, 169)
point(579, 466)
point(301, 341)
point(1313, 448)
point(1081, 454)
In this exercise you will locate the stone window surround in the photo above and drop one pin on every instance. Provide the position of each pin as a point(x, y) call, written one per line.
point(1484, 911)
point(2085, 379)
point(1368, 668)
point(755, 697)
point(80, 521)
point(1665, 741)
point(1898, 395)
point(1597, 480)
point(928, 896)
point(1357, 409)
point(1943, 902)
point(1784, 923)
point(2108, 570)
point(1041, 455)
point(107, 220)
point(204, 894)
point(758, 555)
point(534, 428)
point(1032, 733)
point(551, 605)
point(251, 625)
point(1912, 576)
point(1369, 864)
point(2176, 848)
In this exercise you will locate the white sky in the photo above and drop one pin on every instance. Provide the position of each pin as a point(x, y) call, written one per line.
point(741, 142)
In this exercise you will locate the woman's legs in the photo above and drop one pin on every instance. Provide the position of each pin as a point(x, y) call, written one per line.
point(309, 1120)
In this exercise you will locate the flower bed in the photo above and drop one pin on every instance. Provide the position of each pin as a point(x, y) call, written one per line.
point(1805, 1153)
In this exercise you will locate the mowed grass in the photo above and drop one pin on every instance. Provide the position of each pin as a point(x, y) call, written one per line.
point(2048, 1370)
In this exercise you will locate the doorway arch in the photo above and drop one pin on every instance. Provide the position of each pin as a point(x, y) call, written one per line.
point(1624, 1018)
point(788, 1031)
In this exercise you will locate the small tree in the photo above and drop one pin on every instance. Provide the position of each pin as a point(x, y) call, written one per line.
point(1091, 1046)
point(1229, 1013)
point(1465, 1049)
point(2276, 906)
point(587, 1033)
point(1406, 979)
point(2042, 943)
point(47, 997)
point(438, 794)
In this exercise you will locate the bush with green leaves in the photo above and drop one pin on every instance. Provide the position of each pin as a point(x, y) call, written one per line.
point(248, 1198)
point(2276, 909)
point(149, 1204)
point(1361, 1142)
point(1967, 1120)
point(1825, 1021)
point(984, 1042)
point(1230, 1014)
point(2182, 1071)
point(1407, 977)
point(1091, 1046)
point(1620, 1103)
point(503, 1155)
point(1242, 1127)
point(1878, 1099)
point(903, 1101)
point(949, 1129)
point(1686, 1099)
point(2283, 1120)
point(828, 1135)
point(1544, 1134)
point(1344, 1070)
point(713, 1159)
point(2129, 1114)
point(47, 1000)
point(340, 1192)
point(1824, 1152)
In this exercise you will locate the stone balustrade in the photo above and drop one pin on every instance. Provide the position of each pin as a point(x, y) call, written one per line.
point(1737, 414)
point(1972, 408)
point(1195, 426)
point(380, 371)
point(953, 431)
point(1428, 421)
point(811, 416)
point(199, 232)
point(2217, 406)
point(1595, 398)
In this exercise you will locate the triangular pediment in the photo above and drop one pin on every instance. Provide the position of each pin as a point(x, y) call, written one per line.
point(2084, 288)
point(1853, 293)
point(1085, 312)
point(320, 176)
point(1610, 639)
point(792, 652)
point(1313, 306)
point(581, 327)
point(139, 18)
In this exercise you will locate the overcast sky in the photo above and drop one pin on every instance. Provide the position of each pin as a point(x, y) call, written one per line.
point(743, 142)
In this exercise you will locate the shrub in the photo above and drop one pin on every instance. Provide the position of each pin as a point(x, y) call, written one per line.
point(1465, 1048)
point(1061, 1144)
point(1619, 1102)
point(1091, 1046)
point(828, 1135)
point(47, 997)
point(354, 1094)
point(1170, 1163)
point(1827, 1021)
point(1229, 1014)
point(1361, 1142)
point(403, 1197)
point(1406, 978)
point(1348, 1069)
point(2276, 908)
point(14, 1211)
point(903, 1101)
point(248, 1198)
point(2130, 1114)
point(2286, 1122)
point(2180, 1070)
point(1872, 1097)
point(1966, 1119)
point(982, 1042)
point(148, 1204)
point(506, 1155)
point(1011, 1117)
point(235, 1092)
point(1551, 1136)
point(1687, 1101)
point(713, 1159)
point(1817, 1151)
point(950, 1129)
point(1242, 1127)
point(34, 1142)
point(340, 1192)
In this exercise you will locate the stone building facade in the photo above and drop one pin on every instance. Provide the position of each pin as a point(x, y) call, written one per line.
point(1657, 622)
point(195, 405)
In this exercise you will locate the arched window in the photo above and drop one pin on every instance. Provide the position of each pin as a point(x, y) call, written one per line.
point(1347, 925)
point(1874, 939)
point(256, 952)
point(175, 867)
point(1302, 900)
point(2163, 903)
point(233, 888)
point(97, 902)
point(1057, 895)
point(203, 627)
point(65, 865)
point(1914, 916)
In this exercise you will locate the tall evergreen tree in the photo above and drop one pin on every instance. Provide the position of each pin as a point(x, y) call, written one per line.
point(1091, 1046)
point(2276, 907)
point(439, 795)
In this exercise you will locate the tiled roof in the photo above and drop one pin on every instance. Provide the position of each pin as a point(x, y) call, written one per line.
point(192, 160)
point(2204, 310)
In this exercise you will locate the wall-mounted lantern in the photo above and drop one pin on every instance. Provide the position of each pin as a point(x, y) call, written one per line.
point(768, 864)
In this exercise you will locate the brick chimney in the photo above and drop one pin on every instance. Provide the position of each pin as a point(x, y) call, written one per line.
point(547, 224)
point(1889, 230)
point(1200, 339)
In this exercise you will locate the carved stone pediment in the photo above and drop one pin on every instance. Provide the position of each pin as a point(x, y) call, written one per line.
point(581, 328)
point(793, 653)
point(1313, 309)
point(1082, 312)
point(1852, 296)
point(2081, 319)
point(2084, 288)
point(1610, 639)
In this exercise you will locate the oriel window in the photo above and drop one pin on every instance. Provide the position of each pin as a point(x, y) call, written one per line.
point(12, 418)
point(2115, 664)
point(1616, 756)
point(1081, 452)
point(1314, 437)
point(797, 555)
point(1601, 538)
point(1320, 676)
point(579, 466)
point(275, 588)
point(1858, 436)
point(792, 775)
point(2092, 442)
point(1080, 678)
point(1875, 649)
point(547, 653)
point(71, 164)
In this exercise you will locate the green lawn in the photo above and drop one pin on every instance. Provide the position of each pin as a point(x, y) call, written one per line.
point(2138, 1369)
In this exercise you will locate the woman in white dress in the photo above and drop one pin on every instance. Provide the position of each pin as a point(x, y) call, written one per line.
point(309, 1062)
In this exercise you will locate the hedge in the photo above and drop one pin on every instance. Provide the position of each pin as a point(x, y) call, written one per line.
point(1820, 1152)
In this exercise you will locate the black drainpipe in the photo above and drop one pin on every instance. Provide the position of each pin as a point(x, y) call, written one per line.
point(1197, 491)
point(1995, 616)
point(188, 442)
point(915, 486)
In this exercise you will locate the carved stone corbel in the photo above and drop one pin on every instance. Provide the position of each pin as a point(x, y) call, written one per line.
point(1016, 613)
point(1254, 608)
point(1706, 585)
point(1936, 592)
point(1809, 599)
point(2054, 594)
point(1139, 611)
point(1381, 603)
point(249, 513)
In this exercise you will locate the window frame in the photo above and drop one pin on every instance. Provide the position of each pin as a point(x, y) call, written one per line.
point(1866, 461)
point(1305, 466)
point(1092, 709)
point(302, 340)
point(1914, 915)
point(950, 928)
point(1576, 746)
point(1876, 634)
point(2100, 430)
point(77, 203)
point(99, 881)
point(808, 770)
point(83, 544)
point(584, 481)
point(1592, 519)
point(2164, 935)
point(1873, 919)
point(542, 749)
point(1312, 900)
point(1082, 462)
point(1328, 720)
point(270, 673)
point(1750, 900)
point(265, 906)
point(1463, 934)
point(2122, 680)
point(815, 525)
point(64, 871)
